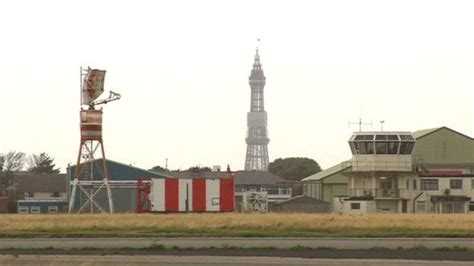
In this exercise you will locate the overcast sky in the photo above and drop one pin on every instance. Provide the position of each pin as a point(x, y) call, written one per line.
point(182, 68)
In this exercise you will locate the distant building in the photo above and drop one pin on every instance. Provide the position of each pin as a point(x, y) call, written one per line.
point(301, 204)
point(40, 193)
point(328, 184)
point(192, 194)
point(123, 180)
point(278, 189)
point(387, 174)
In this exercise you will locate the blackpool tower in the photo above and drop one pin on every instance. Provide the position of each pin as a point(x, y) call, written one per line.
point(257, 135)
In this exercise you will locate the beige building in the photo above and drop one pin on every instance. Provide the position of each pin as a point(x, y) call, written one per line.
point(427, 171)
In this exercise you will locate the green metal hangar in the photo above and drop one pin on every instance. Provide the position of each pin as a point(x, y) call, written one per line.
point(443, 150)
point(123, 180)
point(444, 161)
point(327, 184)
point(440, 179)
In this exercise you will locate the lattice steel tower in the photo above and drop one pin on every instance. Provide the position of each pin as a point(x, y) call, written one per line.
point(257, 136)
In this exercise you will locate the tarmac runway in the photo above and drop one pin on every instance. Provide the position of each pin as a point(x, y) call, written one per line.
point(241, 242)
point(201, 261)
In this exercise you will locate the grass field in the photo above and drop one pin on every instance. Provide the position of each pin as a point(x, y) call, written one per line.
point(233, 224)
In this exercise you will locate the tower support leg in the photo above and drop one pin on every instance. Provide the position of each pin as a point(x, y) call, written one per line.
point(73, 195)
point(89, 182)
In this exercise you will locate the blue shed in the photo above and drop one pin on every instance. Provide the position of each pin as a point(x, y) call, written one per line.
point(123, 181)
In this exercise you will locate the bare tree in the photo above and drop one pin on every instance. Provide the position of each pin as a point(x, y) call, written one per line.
point(2, 160)
point(13, 161)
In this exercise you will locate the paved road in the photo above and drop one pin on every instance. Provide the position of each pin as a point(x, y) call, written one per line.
point(339, 243)
point(203, 260)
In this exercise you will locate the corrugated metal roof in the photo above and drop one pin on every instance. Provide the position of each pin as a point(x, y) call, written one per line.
point(329, 171)
point(118, 171)
point(421, 133)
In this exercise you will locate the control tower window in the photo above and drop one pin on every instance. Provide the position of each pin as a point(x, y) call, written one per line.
point(364, 147)
point(393, 147)
point(364, 137)
point(384, 143)
point(354, 150)
point(358, 148)
point(381, 147)
point(369, 147)
point(392, 137)
point(407, 138)
point(406, 147)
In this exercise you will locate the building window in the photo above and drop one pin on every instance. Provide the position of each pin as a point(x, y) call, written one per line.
point(355, 206)
point(385, 183)
point(53, 209)
point(414, 183)
point(240, 189)
point(23, 209)
point(455, 184)
point(29, 194)
point(353, 148)
point(381, 147)
point(420, 206)
point(472, 183)
point(369, 147)
point(55, 195)
point(392, 147)
point(271, 190)
point(429, 184)
point(408, 184)
point(406, 147)
point(471, 206)
point(35, 209)
point(215, 201)
point(285, 191)
point(364, 147)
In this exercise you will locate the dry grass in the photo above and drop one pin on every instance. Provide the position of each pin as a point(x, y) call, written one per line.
point(231, 222)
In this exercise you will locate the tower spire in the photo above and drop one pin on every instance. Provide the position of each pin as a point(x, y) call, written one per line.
point(257, 140)
point(257, 57)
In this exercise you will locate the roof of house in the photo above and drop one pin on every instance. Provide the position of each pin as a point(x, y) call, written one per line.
point(189, 174)
point(329, 171)
point(300, 197)
point(31, 182)
point(240, 177)
point(425, 132)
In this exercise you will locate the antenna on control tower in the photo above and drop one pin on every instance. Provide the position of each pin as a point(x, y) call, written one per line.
point(360, 123)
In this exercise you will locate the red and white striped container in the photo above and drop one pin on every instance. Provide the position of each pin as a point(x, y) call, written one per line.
point(192, 195)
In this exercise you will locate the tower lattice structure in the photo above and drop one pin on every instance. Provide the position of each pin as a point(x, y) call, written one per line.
point(257, 136)
point(86, 193)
